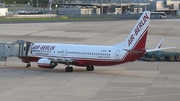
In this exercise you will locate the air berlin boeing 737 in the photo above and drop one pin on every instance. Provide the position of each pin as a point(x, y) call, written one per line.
point(48, 55)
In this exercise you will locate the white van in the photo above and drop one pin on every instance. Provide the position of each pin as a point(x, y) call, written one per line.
point(159, 14)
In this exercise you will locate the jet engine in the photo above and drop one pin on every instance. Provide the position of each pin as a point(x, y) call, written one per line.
point(46, 63)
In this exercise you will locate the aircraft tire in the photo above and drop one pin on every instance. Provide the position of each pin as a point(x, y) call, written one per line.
point(67, 69)
point(91, 68)
point(88, 68)
point(71, 69)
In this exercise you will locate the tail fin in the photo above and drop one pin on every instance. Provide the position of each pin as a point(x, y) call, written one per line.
point(137, 37)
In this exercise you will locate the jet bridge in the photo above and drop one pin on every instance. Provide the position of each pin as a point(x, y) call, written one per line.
point(20, 48)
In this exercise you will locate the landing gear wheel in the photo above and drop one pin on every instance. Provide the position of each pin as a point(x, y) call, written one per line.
point(69, 69)
point(28, 65)
point(90, 68)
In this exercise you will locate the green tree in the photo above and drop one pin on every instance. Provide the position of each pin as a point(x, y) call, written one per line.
point(8, 1)
point(22, 1)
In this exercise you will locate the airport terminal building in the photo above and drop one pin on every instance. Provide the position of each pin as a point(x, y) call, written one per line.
point(117, 6)
point(168, 6)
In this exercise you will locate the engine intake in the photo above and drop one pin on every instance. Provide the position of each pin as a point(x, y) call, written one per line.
point(46, 63)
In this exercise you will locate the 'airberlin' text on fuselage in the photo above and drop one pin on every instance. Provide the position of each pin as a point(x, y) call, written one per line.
point(138, 29)
point(43, 47)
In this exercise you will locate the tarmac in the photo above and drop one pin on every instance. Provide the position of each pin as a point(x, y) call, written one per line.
point(134, 81)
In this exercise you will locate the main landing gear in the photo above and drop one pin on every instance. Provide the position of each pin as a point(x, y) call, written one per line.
point(69, 69)
point(90, 68)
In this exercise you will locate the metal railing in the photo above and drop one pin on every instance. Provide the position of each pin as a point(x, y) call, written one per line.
point(126, 16)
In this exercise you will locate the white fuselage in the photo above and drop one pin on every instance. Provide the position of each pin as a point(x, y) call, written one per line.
point(78, 52)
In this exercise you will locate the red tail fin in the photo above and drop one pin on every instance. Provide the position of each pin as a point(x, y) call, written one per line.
point(137, 37)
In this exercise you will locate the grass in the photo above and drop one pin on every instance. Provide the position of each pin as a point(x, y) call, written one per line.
point(19, 20)
point(178, 16)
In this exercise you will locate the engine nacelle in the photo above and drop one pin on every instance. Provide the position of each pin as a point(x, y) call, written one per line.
point(46, 63)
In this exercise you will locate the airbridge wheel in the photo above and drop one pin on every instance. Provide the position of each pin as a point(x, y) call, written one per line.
point(28, 65)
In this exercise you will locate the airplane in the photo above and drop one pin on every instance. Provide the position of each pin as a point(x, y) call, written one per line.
point(48, 55)
point(159, 44)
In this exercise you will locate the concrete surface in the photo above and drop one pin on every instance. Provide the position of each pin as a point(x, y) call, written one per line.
point(137, 81)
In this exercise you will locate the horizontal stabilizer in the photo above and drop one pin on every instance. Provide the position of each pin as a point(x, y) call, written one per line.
point(135, 51)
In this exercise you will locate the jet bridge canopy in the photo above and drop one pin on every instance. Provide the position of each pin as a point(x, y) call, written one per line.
point(20, 48)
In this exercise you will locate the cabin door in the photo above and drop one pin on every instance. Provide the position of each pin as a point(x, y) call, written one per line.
point(117, 54)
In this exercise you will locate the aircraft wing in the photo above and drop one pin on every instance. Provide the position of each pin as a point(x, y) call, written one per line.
point(151, 50)
point(54, 59)
point(158, 47)
point(57, 60)
point(160, 44)
point(61, 60)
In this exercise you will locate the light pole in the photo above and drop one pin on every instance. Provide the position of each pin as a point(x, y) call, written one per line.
point(139, 6)
point(50, 3)
point(37, 3)
point(121, 6)
point(102, 6)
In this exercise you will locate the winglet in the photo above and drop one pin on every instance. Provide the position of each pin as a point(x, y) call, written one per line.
point(160, 44)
